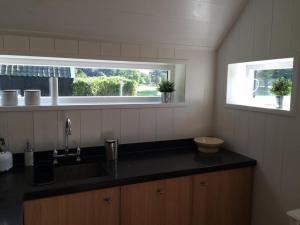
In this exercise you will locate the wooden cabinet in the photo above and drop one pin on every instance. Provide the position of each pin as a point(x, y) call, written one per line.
point(222, 198)
point(86, 208)
point(164, 202)
point(217, 198)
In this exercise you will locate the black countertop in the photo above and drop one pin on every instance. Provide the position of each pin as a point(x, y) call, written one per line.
point(179, 158)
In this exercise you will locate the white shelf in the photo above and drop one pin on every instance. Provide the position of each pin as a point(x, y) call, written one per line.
point(105, 105)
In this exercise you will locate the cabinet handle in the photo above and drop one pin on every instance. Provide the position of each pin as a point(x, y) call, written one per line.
point(203, 184)
point(160, 191)
point(108, 200)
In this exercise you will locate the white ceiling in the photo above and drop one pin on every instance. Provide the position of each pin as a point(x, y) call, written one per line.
point(199, 23)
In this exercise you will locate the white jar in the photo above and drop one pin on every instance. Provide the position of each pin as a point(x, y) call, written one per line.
point(32, 97)
point(9, 97)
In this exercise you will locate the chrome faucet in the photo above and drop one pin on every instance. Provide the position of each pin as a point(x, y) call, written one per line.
point(68, 132)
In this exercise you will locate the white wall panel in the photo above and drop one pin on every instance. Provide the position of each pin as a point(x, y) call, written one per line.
point(66, 47)
point(262, 28)
point(149, 52)
point(130, 125)
point(182, 123)
point(295, 26)
point(241, 132)
point(16, 44)
point(111, 49)
point(272, 140)
point(41, 45)
point(111, 123)
point(290, 178)
point(20, 127)
point(246, 33)
point(166, 53)
point(1, 42)
point(182, 53)
point(164, 124)
point(91, 128)
point(282, 29)
point(45, 130)
point(129, 50)
point(147, 125)
point(89, 48)
point(257, 133)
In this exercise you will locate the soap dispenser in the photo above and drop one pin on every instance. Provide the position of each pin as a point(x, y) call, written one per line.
point(28, 155)
point(6, 159)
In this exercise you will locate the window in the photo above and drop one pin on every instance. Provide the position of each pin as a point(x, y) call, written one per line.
point(261, 84)
point(24, 77)
point(91, 80)
point(114, 82)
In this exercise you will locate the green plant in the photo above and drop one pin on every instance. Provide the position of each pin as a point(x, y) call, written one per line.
point(103, 86)
point(82, 87)
point(166, 86)
point(281, 87)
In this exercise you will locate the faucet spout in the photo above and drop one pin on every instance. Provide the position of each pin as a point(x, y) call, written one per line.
point(68, 131)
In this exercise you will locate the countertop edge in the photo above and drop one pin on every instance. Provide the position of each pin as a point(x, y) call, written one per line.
point(90, 186)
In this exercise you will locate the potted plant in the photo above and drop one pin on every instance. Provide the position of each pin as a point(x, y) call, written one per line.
point(281, 87)
point(166, 88)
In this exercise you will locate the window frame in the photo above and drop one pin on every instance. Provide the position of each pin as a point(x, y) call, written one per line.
point(257, 65)
point(90, 63)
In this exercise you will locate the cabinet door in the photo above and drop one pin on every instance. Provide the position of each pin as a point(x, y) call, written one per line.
point(222, 198)
point(142, 204)
point(99, 207)
point(205, 199)
point(165, 202)
point(235, 197)
point(178, 201)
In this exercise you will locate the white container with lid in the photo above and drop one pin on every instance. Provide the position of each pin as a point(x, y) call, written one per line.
point(9, 97)
point(32, 97)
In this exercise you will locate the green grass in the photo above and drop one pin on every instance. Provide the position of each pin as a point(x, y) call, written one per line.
point(147, 90)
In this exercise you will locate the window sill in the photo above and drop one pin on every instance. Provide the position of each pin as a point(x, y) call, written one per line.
point(261, 110)
point(89, 106)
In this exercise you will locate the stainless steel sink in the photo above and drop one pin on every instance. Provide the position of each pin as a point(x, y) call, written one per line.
point(79, 171)
point(47, 173)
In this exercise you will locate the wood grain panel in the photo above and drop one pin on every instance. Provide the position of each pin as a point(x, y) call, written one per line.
point(178, 201)
point(222, 198)
point(166, 202)
point(142, 204)
point(86, 208)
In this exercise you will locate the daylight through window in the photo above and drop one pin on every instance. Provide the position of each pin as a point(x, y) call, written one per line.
point(262, 84)
point(84, 77)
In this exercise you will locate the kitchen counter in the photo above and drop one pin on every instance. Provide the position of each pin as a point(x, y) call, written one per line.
point(144, 163)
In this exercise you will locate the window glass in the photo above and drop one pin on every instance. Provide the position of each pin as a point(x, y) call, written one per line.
point(265, 80)
point(115, 82)
point(83, 77)
point(262, 84)
point(24, 77)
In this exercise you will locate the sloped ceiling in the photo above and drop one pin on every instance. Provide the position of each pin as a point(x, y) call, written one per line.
point(197, 23)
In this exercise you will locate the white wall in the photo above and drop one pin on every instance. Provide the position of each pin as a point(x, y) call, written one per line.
point(266, 29)
point(44, 129)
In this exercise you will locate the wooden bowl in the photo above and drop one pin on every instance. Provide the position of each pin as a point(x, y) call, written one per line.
point(208, 144)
